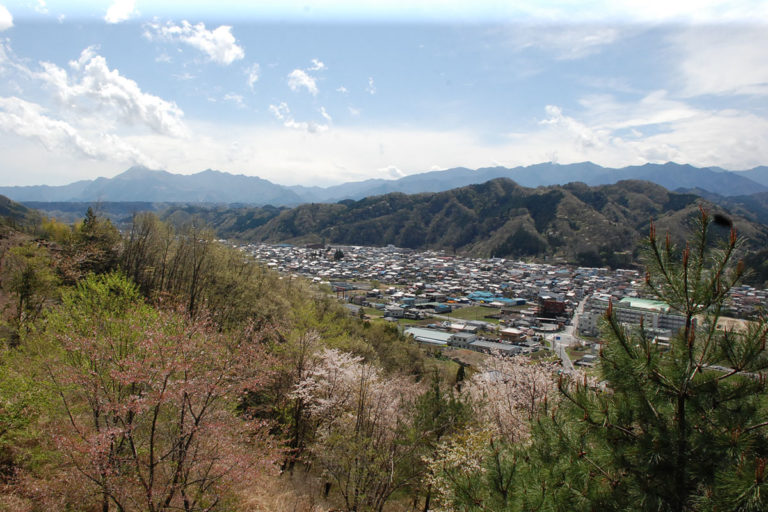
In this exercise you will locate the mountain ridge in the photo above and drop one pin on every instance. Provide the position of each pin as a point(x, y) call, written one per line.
point(574, 223)
point(212, 186)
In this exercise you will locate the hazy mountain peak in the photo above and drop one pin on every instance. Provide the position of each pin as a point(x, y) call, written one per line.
point(138, 171)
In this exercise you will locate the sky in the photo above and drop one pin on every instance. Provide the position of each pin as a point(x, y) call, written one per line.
point(325, 92)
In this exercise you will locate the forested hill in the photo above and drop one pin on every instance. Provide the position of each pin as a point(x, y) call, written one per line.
point(574, 222)
point(15, 214)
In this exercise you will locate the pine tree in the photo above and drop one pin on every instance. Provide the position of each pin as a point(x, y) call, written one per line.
point(670, 430)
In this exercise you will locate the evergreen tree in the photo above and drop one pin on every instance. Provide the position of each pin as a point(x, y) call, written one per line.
point(671, 430)
point(438, 413)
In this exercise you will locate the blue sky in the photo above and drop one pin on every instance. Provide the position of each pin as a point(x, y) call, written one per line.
point(319, 93)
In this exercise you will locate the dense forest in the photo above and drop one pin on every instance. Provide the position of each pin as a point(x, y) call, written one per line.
point(160, 370)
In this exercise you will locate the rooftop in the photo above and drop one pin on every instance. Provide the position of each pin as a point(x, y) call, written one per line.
point(646, 304)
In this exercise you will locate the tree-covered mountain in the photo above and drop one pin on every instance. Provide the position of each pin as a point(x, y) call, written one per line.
point(141, 184)
point(575, 223)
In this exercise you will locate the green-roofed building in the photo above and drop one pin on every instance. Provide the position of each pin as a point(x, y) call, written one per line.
point(644, 304)
point(656, 315)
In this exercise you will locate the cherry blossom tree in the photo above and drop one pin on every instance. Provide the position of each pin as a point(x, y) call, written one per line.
point(359, 415)
point(476, 468)
point(509, 392)
point(150, 398)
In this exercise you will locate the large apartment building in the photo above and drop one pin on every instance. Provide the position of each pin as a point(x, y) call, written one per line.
point(656, 315)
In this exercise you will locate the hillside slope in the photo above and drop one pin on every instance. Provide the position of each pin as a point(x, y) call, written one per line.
point(574, 223)
point(15, 214)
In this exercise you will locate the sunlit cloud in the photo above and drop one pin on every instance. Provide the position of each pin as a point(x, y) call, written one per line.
point(219, 45)
point(298, 79)
point(6, 20)
point(121, 10)
point(91, 86)
point(317, 66)
point(29, 120)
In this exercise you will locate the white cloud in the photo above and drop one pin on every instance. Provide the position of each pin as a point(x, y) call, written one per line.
point(584, 136)
point(4, 50)
point(342, 89)
point(41, 7)
point(186, 76)
point(654, 129)
point(219, 44)
point(325, 115)
point(29, 120)
point(354, 112)
point(567, 42)
point(391, 171)
point(299, 78)
point(317, 66)
point(237, 99)
point(283, 113)
point(253, 74)
point(121, 10)
point(280, 111)
point(6, 20)
point(371, 86)
point(655, 108)
point(724, 60)
point(95, 88)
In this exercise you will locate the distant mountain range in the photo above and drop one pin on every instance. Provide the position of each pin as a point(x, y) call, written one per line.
point(141, 184)
point(575, 223)
point(145, 185)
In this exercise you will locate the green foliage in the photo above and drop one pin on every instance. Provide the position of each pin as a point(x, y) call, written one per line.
point(22, 402)
point(521, 243)
point(27, 274)
point(51, 229)
point(147, 400)
point(758, 262)
point(439, 412)
point(673, 430)
point(100, 296)
point(187, 266)
point(94, 246)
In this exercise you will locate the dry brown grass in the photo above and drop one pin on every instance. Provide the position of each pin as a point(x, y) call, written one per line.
point(286, 492)
point(301, 492)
